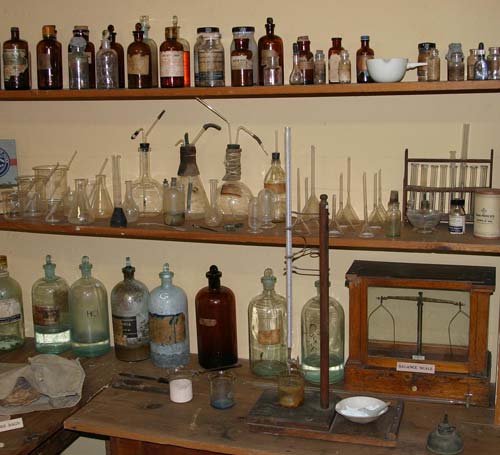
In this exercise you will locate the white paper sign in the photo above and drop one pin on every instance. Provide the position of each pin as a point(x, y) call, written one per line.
point(410, 367)
point(12, 424)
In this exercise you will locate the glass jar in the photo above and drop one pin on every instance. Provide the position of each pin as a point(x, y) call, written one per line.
point(247, 32)
point(319, 67)
point(291, 389)
point(392, 223)
point(56, 186)
point(334, 60)
point(209, 59)
point(424, 52)
point(32, 195)
point(493, 60)
point(456, 217)
point(174, 209)
point(433, 66)
point(78, 64)
point(222, 389)
point(171, 60)
point(471, 62)
point(456, 67)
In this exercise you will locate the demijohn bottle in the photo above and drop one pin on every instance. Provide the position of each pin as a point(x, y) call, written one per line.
point(16, 62)
point(171, 60)
point(216, 323)
point(129, 310)
point(11, 310)
point(138, 61)
point(267, 330)
point(118, 48)
point(49, 300)
point(270, 45)
point(168, 323)
point(88, 306)
point(49, 60)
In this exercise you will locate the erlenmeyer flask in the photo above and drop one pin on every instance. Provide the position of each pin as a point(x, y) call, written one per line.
point(80, 212)
point(311, 209)
point(349, 212)
point(146, 191)
point(213, 215)
point(101, 205)
point(129, 206)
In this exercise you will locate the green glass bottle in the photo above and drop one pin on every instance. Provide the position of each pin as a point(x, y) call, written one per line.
point(267, 330)
point(88, 305)
point(49, 301)
point(11, 310)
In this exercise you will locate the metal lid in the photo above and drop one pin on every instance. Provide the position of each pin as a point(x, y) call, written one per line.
point(243, 29)
point(303, 38)
point(364, 37)
point(207, 30)
point(426, 46)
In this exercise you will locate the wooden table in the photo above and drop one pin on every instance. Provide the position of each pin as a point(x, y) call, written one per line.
point(141, 423)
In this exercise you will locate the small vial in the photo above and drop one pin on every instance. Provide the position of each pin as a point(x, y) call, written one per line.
point(319, 67)
point(344, 67)
point(456, 219)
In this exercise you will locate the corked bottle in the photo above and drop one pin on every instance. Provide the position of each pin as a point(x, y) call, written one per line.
point(270, 45)
point(138, 61)
point(118, 48)
point(171, 60)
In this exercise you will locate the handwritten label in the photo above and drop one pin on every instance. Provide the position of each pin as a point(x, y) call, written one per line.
point(12, 424)
point(409, 367)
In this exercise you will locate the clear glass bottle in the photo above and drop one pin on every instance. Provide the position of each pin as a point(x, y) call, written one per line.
point(139, 61)
point(433, 71)
point(216, 323)
point(210, 60)
point(83, 31)
point(171, 60)
point(319, 67)
point(306, 59)
point(233, 195)
point(187, 53)
point(129, 206)
point(241, 64)
point(472, 58)
point(481, 66)
point(80, 211)
point(101, 205)
point(153, 62)
point(456, 217)
point(424, 52)
point(174, 203)
point(11, 310)
point(201, 36)
point(78, 64)
point(146, 191)
point(248, 32)
point(455, 59)
point(273, 73)
point(296, 76)
point(493, 61)
point(267, 330)
point(129, 311)
point(213, 214)
point(88, 306)
point(275, 181)
point(270, 45)
point(344, 67)
point(49, 60)
point(16, 62)
point(118, 48)
point(311, 343)
point(334, 60)
point(107, 67)
point(362, 55)
point(168, 323)
point(392, 223)
point(49, 301)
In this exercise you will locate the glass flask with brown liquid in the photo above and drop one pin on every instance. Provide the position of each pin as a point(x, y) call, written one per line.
point(270, 45)
point(138, 61)
point(49, 60)
point(118, 48)
point(171, 60)
point(16, 62)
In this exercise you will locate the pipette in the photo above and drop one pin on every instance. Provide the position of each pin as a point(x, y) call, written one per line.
point(118, 218)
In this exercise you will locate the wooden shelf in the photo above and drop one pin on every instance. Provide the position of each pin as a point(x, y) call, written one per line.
point(153, 229)
point(375, 89)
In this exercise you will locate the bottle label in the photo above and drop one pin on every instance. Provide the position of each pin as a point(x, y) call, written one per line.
point(207, 322)
point(269, 336)
point(241, 62)
point(10, 311)
point(43, 62)
point(305, 63)
point(15, 62)
point(456, 224)
point(278, 188)
point(46, 315)
point(333, 68)
point(172, 64)
point(89, 57)
point(211, 65)
point(361, 64)
point(138, 64)
point(265, 54)
point(128, 330)
point(344, 74)
point(167, 329)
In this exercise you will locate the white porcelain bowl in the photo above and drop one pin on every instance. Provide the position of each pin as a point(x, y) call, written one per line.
point(361, 409)
point(390, 69)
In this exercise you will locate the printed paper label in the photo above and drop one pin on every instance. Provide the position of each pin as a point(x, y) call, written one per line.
point(410, 367)
point(167, 329)
point(265, 54)
point(241, 62)
point(138, 64)
point(333, 68)
point(269, 336)
point(306, 63)
point(172, 64)
point(11, 424)
point(10, 311)
point(15, 62)
point(208, 322)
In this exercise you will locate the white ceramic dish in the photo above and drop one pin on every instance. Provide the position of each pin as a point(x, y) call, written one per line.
point(361, 409)
point(390, 69)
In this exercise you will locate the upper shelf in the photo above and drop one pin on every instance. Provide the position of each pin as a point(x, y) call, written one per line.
point(283, 91)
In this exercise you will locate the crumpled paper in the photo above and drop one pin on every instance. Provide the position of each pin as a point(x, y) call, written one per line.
point(58, 381)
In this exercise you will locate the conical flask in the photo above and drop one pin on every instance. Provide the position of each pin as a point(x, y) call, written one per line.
point(80, 212)
point(101, 205)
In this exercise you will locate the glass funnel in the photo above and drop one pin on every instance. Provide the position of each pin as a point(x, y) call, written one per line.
point(310, 211)
point(376, 218)
point(101, 205)
point(146, 191)
point(80, 212)
point(213, 214)
point(349, 212)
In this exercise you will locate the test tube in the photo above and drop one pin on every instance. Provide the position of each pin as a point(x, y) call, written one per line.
point(413, 182)
point(472, 184)
point(443, 178)
point(483, 176)
point(434, 174)
point(423, 178)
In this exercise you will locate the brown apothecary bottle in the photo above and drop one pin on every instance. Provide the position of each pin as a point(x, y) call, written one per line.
point(118, 48)
point(49, 60)
point(171, 60)
point(216, 323)
point(306, 59)
point(334, 60)
point(83, 31)
point(241, 64)
point(270, 45)
point(138, 61)
point(16, 62)
point(363, 54)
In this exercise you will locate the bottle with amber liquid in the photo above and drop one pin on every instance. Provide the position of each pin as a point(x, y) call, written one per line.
point(171, 60)
point(138, 61)
point(118, 48)
point(187, 52)
point(16, 62)
point(83, 31)
point(153, 61)
point(241, 64)
point(216, 323)
point(306, 59)
point(270, 45)
point(363, 54)
point(49, 60)
point(334, 60)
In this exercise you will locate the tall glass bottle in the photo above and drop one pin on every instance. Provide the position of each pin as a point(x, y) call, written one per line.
point(267, 330)
point(362, 55)
point(118, 48)
point(146, 191)
point(80, 211)
point(306, 59)
point(153, 62)
point(334, 60)
point(186, 50)
point(83, 31)
point(310, 339)
point(49, 60)
point(88, 306)
point(270, 45)
point(101, 205)
point(129, 311)
point(107, 75)
point(275, 181)
point(49, 301)
point(11, 310)
point(171, 60)
point(139, 61)
point(174, 203)
point(216, 323)
point(16, 62)
point(168, 323)
point(78, 64)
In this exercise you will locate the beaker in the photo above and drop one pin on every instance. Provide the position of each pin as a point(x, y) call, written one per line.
point(80, 212)
point(267, 202)
point(222, 389)
point(291, 389)
point(254, 216)
point(55, 186)
point(213, 215)
point(32, 195)
point(12, 206)
point(101, 205)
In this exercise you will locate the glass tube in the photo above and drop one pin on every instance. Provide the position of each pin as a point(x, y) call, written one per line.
point(423, 178)
point(254, 216)
point(472, 184)
point(443, 179)
point(434, 175)
point(453, 172)
point(365, 230)
point(483, 176)
point(412, 201)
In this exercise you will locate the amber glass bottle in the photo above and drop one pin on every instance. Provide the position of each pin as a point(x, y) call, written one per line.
point(16, 62)
point(216, 323)
point(306, 59)
point(334, 60)
point(362, 55)
point(118, 48)
point(171, 60)
point(241, 64)
point(49, 60)
point(138, 58)
point(83, 31)
point(270, 45)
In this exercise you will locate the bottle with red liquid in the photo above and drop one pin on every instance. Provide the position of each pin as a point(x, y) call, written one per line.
point(187, 53)
point(306, 59)
point(334, 60)
point(241, 64)
point(138, 61)
point(171, 60)
point(363, 54)
point(216, 323)
point(270, 45)
point(118, 48)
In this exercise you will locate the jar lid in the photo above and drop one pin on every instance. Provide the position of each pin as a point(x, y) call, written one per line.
point(364, 37)
point(303, 38)
point(337, 38)
point(275, 155)
point(81, 27)
point(243, 29)
point(494, 50)
point(458, 201)
point(426, 46)
point(207, 29)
